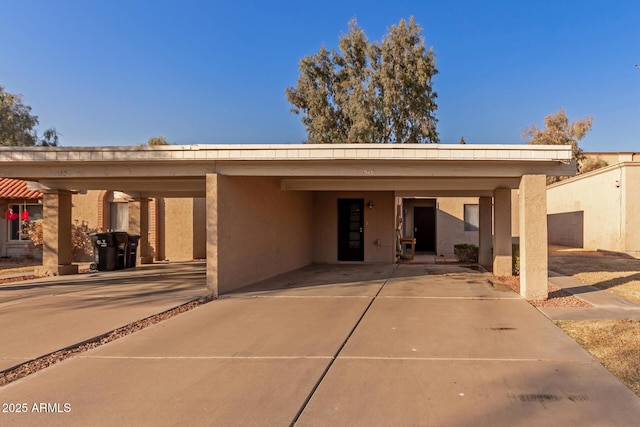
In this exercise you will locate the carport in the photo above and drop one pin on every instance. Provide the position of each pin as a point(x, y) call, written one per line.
point(275, 208)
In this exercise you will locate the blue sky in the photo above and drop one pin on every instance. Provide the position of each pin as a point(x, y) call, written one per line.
point(118, 72)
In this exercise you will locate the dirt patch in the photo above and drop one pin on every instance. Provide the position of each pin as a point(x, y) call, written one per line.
point(614, 343)
point(557, 297)
point(17, 265)
point(614, 272)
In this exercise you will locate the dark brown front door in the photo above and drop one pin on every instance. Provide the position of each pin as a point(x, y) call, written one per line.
point(424, 228)
point(350, 230)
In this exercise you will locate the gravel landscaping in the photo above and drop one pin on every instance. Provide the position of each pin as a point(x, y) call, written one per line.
point(557, 297)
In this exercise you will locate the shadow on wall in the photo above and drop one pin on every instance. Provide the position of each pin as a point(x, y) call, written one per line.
point(566, 229)
point(450, 231)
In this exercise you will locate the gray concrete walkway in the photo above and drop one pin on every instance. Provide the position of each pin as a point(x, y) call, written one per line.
point(40, 316)
point(339, 346)
point(606, 305)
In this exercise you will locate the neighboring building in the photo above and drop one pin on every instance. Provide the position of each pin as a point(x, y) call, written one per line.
point(178, 221)
point(19, 206)
point(598, 210)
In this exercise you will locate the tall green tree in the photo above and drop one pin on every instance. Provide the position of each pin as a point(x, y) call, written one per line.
point(558, 130)
point(369, 91)
point(17, 124)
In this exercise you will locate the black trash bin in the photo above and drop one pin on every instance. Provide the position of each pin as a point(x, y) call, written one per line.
point(132, 250)
point(121, 239)
point(104, 251)
point(109, 250)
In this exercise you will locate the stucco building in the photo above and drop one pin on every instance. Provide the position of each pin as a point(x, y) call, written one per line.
point(179, 221)
point(18, 205)
point(274, 208)
point(598, 209)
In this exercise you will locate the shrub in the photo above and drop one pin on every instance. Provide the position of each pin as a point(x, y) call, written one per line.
point(515, 259)
point(466, 252)
point(80, 240)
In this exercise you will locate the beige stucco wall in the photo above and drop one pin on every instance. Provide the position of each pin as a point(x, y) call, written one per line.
point(598, 195)
point(379, 225)
point(631, 190)
point(262, 231)
point(450, 224)
point(515, 215)
point(199, 228)
point(85, 208)
point(184, 236)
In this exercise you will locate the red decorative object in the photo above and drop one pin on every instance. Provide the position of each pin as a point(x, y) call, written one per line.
point(24, 215)
point(10, 216)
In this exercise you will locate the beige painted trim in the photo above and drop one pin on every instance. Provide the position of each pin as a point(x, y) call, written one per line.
point(407, 185)
point(182, 173)
point(595, 173)
point(290, 152)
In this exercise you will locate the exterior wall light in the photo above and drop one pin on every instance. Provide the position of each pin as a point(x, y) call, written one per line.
point(370, 205)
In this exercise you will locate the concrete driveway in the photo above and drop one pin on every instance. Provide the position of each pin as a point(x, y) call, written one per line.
point(338, 346)
point(40, 316)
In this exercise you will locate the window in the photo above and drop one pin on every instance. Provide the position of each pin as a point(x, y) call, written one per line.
point(18, 218)
point(471, 217)
point(119, 216)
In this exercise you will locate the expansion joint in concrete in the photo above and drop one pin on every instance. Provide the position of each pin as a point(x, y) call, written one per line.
point(344, 343)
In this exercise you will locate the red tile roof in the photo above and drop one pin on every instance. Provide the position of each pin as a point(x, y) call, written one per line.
point(16, 189)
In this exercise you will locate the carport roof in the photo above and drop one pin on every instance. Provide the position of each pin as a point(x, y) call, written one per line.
point(180, 171)
point(290, 152)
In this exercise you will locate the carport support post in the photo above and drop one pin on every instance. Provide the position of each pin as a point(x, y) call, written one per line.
point(212, 234)
point(139, 224)
point(502, 231)
point(57, 257)
point(533, 237)
point(485, 233)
